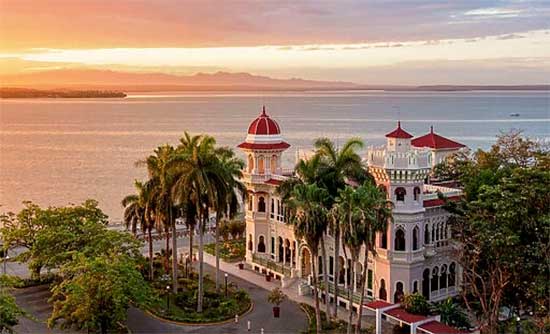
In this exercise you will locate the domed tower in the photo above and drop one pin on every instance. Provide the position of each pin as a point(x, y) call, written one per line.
point(263, 146)
point(265, 229)
point(400, 169)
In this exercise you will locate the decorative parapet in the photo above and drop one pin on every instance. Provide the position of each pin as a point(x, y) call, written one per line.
point(412, 159)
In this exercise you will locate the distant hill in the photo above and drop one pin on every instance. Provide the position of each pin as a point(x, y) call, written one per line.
point(91, 79)
point(82, 78)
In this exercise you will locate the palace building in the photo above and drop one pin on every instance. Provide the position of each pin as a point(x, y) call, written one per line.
point(414, 253)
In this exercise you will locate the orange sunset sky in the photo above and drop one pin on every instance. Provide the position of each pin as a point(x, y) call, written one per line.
point(369, 42)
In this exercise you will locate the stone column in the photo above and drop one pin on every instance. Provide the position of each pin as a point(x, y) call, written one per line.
point(284, 253)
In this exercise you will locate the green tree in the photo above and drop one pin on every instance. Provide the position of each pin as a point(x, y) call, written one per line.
point(96, 292)
point(502, 226)
point(452, 314)
point(48, 235)
point(336, 166)
point(305, 204)
point(199, 177)
point(137, 213)
point(9, 311)
point(161, 176)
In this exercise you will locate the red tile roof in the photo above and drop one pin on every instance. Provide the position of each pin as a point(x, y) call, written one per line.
point(401, 314)
point(435, 327)
point(273, 182)
point(435, 141)
point(377, 304)
point(264, 125)
point(438, 202)
point(399, 133)
point(257, 146)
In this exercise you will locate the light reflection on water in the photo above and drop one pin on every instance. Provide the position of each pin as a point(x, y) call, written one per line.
point(59, 151)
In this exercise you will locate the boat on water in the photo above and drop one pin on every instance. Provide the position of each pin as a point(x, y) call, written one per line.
point(514, 114)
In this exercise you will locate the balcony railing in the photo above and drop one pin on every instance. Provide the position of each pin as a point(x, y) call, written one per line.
point(271, 265)
point(343, 292)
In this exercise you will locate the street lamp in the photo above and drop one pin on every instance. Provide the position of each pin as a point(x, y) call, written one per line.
point(518, 326)
point(168, 298)
point(225, 284)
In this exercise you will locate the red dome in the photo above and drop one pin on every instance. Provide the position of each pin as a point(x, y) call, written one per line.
point(264, 125)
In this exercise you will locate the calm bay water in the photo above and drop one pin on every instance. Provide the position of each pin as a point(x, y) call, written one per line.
point(58, 151)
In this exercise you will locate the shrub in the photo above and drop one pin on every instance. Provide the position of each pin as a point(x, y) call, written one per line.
point(276, 297)
point(416, 304)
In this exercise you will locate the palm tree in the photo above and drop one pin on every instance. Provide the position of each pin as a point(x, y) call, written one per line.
point(161, 176)
point(338, 166)
point(198, 173)
point(227, 187)
point(348, 211)
point(376, 211)
point(307, 216)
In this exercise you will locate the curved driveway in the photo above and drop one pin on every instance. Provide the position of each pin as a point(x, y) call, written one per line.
point(292, 320)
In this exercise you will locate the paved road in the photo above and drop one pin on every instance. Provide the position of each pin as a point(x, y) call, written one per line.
point(292, 319)
point(33, 300)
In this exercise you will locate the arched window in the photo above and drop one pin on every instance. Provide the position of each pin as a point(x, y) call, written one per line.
point(433, 233)
point(443, 277)
point(272, 208)
point(446, 230)
point(437, 232)
point(261, 164)
point(416, 193)
point(261, 244)
point(261, 204)
point(250, 163)
point(452, 274)
point(250, 199)
point(273, 245)
point(400, 194)
point(399, 243)
point(435, 279)
point(398, 295)
point(415, 238)
point(273, 164)
point(384, 239)
point(250, 245)
point(382, 294)
point(426, 234)
point(415, 287)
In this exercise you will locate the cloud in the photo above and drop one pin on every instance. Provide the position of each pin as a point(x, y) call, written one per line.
point(212, 23)
point(510, 36)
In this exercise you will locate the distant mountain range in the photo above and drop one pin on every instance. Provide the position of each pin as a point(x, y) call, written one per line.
point(92, 79)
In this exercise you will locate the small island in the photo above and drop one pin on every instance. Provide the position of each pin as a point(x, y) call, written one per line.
point(22, 93)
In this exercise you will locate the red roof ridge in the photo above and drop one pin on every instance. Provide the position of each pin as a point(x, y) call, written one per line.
point(399, 133)
point(435, 141)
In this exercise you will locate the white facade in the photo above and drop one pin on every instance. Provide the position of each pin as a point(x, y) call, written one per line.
point(414, 255)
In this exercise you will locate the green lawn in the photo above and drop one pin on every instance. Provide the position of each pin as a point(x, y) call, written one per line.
point(216, 306)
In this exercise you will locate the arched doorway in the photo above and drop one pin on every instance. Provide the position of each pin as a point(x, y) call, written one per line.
point(382, 293)
point(306, 263)
point(287, 251)
point(261, 244)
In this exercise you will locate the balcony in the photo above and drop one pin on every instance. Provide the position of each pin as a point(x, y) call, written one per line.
point(272, 265)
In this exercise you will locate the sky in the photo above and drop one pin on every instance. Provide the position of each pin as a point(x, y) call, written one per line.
point(368, 42)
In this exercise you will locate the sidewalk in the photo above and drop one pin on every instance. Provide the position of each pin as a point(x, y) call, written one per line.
point(291, 291)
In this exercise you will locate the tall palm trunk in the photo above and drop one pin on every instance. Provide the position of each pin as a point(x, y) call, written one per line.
point(202, 222)
point(325, 276)
point(174, 254)
point(336, 267)
point(217, 250)
point(167, 255)
point(350, 294)
point(190, 259)
point(362, 289)
point(316, 293)
point(151, 260)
